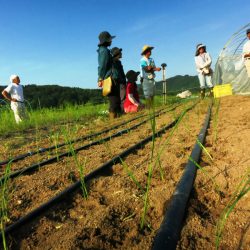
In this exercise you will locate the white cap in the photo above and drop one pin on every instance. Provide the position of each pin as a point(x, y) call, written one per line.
point(12, 77)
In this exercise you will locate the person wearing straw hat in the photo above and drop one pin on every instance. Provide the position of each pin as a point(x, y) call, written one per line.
point(203, 63)
point(246, 53)
point(14, 93)
point(132, 102)
point(148, 69)
point(118, 74)
point(105, 68)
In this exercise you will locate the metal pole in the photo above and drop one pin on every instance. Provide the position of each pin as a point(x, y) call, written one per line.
point(164, 83)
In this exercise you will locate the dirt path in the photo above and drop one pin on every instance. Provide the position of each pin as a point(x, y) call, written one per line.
point(110, 218)
point(231, 161)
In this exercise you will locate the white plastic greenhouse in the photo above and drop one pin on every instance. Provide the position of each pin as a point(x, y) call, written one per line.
point(230, 66)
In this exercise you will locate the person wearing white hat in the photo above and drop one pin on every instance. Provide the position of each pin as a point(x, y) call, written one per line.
point(148, 69)
point(203, 63)
point(14, 93)
point(246, 53)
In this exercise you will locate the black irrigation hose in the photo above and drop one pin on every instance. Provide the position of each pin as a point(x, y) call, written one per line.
point(66, 192)
point(170, 229)
point(69, 153)
point(42, 150)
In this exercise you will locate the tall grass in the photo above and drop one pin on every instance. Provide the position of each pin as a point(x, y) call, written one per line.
point(49, 116)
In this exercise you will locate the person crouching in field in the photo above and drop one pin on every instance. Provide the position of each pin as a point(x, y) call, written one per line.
point(132, 102)
point(14, 93)
point(246, 53)
point(203, 63)
point(118, 74)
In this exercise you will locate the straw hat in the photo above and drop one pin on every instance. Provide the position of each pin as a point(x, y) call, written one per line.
point(146, 48)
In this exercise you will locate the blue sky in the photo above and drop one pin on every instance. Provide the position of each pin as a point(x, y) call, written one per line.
point(55, 41)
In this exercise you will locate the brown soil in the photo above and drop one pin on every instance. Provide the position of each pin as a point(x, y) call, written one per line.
point(231, 161)
point(110, 218)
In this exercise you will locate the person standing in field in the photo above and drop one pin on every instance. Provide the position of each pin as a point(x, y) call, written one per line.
point(246, 53)
point(105, 70)
point(132, 102)
point(148, 69)
point(203, 63)
point(14, 93)
point(118, 74)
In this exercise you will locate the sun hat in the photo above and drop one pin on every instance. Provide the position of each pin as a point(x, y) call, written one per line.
point(146, 48)
point(12, 77)
point(132, 75)
point(200, 45)
point(105, 37)
point(115, 51)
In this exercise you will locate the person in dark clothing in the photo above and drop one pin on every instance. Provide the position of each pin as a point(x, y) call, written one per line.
point(118, 74)
point(105, 70)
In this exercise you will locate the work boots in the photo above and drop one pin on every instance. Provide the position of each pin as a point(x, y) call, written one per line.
point(112, 115)
point(202, 94)
point(211, 92)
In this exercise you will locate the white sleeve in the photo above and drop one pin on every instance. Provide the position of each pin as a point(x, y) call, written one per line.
point(8, 89)
point(208, 60)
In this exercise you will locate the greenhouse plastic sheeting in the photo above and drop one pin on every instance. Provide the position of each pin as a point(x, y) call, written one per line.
point(230, 67)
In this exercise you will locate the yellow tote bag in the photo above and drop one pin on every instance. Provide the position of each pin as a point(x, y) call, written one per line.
point(107, 85)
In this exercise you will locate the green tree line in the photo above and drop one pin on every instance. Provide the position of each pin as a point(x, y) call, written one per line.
point(39, 96)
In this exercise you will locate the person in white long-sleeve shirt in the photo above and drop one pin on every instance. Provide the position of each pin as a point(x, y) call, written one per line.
point(246, 53)
point(14, 93)
point(203, 63)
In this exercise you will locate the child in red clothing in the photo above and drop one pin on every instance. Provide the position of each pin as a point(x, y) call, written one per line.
point(132, 102)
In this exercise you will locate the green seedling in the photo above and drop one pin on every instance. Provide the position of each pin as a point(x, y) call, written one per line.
point(4, 203)
point(217, 188)
point(241, 190)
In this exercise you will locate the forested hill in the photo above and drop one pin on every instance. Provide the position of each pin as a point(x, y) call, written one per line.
point(56, 96)
point(178, 84)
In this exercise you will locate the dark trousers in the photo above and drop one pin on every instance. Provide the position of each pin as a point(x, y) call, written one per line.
point(114, 98)
point(122, 95)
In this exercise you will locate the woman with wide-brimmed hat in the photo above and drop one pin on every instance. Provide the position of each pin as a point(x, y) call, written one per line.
point(105, 68)
point(148, 69)
point(203, 63)
point(118, 74)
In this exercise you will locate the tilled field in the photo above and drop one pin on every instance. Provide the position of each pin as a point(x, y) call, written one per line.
point(230, 153)
point(110, 217)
